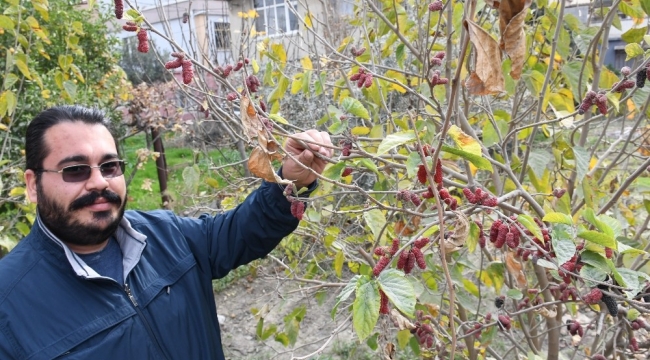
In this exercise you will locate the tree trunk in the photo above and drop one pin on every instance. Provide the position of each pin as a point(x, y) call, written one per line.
point(161, 166)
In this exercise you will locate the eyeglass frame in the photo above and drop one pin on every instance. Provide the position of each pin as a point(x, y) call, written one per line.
point(121, 166)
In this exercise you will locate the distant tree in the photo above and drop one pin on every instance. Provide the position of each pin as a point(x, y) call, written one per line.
point(143, 67)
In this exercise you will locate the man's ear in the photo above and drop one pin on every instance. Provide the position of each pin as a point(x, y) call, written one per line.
point(30, 182)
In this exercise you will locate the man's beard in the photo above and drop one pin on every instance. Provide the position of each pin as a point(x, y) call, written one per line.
point(62, 223)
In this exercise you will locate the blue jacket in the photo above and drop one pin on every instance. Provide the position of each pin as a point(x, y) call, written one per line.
point(54, 307)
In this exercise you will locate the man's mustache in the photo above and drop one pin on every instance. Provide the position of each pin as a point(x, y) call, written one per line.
point(90, 199)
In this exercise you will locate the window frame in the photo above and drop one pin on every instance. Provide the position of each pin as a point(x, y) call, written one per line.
point(264, 10)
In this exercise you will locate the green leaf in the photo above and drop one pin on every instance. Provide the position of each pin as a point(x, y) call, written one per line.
point(564, 249)
point(6, 22)
point(21, 63)
point(591, 274)
point(493, 275)
point(375, 220)
point(23, 228)
point(624, 249)
point(403, 337)
point(515, 294)
point(399, 290)
point(594, 259)
point(338, 263)
point(529, 223)
point(582, 159)
point(634, 35)
point(633, 50)
point(368, 164)
point(645, 5)
point(279, 119)
point(354, 107)
point(70, 88)
point(212, 182)
point(631, 279)
point(334, 171)
point(632, 9)
point(598, 238)
point(395, 139)
point(471, 287)
point(633, 314)
point(10, 79)
point(279, 91)
point(365, 309)
point(480, 162)
point(558, 218)
point(282, 338)
point(346, 292)
point(547, 264)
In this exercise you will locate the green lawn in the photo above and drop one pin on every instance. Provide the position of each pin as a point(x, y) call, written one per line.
point(178, 159)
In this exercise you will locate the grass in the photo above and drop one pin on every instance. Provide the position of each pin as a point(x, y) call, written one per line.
point(178, 159)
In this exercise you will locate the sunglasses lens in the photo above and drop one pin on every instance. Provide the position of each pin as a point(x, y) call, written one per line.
point(112, 169)
point(76, 173)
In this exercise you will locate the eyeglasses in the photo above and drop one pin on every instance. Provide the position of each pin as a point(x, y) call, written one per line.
point(81, 172)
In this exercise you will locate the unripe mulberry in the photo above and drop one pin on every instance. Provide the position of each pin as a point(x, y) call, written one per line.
point(625, 71)
point(383, 303)
point(593, 297)
point(504, 322)
point(173, 64)
point(143, 44)
point(297, 209)
point(119, 8)
point(609, 252)
point(130, 26)
point(410, 263)
point(347, 171)
point(436, 6)
point(437, 175)
point(231, 96)
point(188, 73)
point(422, 174)
point(559, 192)
point(640, 78)
point(419, 258)
point(471, 197)
point(421, 242)
point(381, 265)
point(601, 103)
point(394, 247)
point(403, 258)
point(611, 304)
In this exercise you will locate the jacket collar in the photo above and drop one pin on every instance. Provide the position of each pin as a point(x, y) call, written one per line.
point(132, 244)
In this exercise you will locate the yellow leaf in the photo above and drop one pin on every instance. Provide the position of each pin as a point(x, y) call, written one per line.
point(242, 15)
point(296, 83)
point(17, 191)
point(279, 53)
point(464, 141)
point(360, 130)
point(306, 63)
point(3, 127)
point(252, 13)
point(308, 21)
point(256, 66)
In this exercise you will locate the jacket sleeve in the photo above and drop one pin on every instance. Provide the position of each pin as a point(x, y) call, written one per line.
point(246, 233)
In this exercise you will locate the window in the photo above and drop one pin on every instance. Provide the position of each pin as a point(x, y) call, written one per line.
point(222, 35)
point(275, 17)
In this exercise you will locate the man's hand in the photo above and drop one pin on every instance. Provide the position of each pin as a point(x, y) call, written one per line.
point(305, 153)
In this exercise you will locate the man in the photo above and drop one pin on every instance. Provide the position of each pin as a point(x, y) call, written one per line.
point(92, 281)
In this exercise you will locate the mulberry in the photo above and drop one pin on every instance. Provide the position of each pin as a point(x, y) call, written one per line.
point(403, 259)
point(419, 258)
point(383, 303)
point(238, 66)
point(422, 174)
point(559, 192)
point(188, 73)
point(471, 197)
point(491, 202)
point(609, 252)
point(130, 26)
point(421, 242)
point(436, 6)
point(143, 43)
point(173, 64)
point(611, 304)
point(593, 297)
point(231, 96)
point(601, 103)
point(437, 175)
point(640, 78)
point(394, 247)
point(381, 265)
point(119, 8)
point(368, 81)
point(347, 171)
point(410, 263)
point(504, 322)
point(297, 209)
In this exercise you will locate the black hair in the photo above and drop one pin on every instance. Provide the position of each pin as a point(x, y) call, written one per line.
point(36, 150)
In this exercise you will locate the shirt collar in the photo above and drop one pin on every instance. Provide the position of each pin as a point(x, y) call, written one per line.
point(132, 244)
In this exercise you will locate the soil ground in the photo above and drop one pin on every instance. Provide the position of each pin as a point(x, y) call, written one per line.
point(281, 297)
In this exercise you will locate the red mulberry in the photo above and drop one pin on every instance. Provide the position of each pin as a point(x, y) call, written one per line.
point(383, 303)
point(601, 103)
point(381, 265)
point(130, 26)
point(394, 247)
point(297, 209)
point(435, 6)
point(419, 258)
point(119, 8)
point(238, 66)
point(421, 242)
point(437, 176)
point(403, 259)
point(231, 96)
point(143, 43)
point(410, 263)
point(347, 171)
point(422, 174)
point(504, 322)
point(188, 73)
point(593, 297)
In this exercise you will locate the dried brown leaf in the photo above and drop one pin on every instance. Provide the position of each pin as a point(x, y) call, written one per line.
point(515, 269)
point(487, 77)
point(508, 9)
point(250, 121)
point(493, 3)
point(513, 40)
point(461, 230)
point(400, 321)
point(552, 313)
point(259, 164)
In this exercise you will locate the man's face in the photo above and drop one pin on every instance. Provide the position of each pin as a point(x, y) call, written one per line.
point(79, 213)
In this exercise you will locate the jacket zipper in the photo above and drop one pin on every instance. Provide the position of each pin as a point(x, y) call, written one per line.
point(129, 294)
